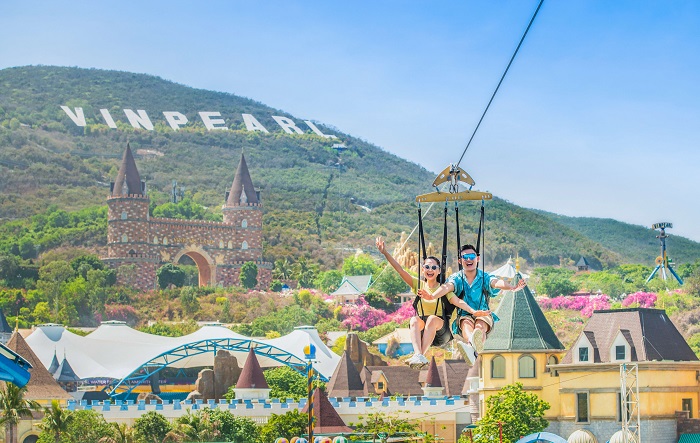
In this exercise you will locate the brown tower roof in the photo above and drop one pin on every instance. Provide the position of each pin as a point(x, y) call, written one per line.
point(327, 419)
point(346, 381)
point(128, 181)
point(242, 183)
point(252, 374)
point(432, 379)
point(41, 384)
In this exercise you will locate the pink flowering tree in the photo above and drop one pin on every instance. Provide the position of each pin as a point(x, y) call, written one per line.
point(405, 312)
point(584, 304)
point(361, 316)
point(641, 299)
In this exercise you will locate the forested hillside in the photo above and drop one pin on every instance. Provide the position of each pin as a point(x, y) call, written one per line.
point(319, 202)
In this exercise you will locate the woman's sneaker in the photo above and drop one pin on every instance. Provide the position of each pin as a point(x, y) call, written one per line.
point(478, 341)
point(414, 360)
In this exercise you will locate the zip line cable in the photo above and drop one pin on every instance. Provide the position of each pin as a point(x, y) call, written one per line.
point(522, 39)
point(501, 81)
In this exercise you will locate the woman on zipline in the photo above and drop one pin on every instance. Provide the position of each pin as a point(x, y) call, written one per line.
point(470, 290)
point(428, 325)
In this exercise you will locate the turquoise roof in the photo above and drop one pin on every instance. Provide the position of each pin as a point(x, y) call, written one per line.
point(522, 325)
point(689, 438)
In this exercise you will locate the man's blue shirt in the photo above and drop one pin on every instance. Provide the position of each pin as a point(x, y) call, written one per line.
point(471, 294)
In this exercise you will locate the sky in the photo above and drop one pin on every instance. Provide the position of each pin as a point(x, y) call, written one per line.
point(597, 117)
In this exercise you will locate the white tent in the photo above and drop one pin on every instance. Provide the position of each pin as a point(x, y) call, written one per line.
point(114, 350)
point(508, 271)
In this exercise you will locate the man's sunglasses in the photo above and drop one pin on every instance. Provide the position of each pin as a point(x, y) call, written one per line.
point(469, 257)
point(433, 267)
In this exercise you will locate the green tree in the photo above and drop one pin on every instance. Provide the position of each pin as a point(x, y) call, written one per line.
point(557, 285)
point(56, 421)
point(197, 427)
point(291, 424)
point(520, 413)
point(236, 428)
point(328, 281)
point(283, 269)
point(361, 264)
point(151, 427)
point(377, 300)
point(275, 286)
point(189, 300)
point(9, 267)
point(88, 426)
point(13, 408)
point(83, 263)
point(376, 423)
point(304, 272)
point(249, 275)
point(51, 277)
point(285, 382)
point(390, 283)
point(170, 274)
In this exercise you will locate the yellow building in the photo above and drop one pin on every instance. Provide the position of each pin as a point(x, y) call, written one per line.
point(582, 385)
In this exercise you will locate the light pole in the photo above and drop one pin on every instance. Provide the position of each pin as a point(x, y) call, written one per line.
point(310, 355)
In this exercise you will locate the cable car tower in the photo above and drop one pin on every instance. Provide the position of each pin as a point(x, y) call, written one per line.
point(662, 261)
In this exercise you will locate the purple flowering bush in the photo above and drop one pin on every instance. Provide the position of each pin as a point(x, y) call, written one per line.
point(641, 299)
point(361, 316)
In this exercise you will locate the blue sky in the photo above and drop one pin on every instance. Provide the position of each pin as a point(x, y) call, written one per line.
point(597, 117)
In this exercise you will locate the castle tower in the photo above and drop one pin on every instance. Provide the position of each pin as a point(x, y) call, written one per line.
point(243, 210)
point(128, 224)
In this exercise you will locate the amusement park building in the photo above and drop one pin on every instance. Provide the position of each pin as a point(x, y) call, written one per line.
point(218, 248)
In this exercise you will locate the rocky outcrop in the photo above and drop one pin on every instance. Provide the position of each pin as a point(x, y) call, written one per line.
point(359, 354)
point(214, 383)
point(149, 398)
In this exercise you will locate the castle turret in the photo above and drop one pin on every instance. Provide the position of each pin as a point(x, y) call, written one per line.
point(128, 227)
point(243, 210)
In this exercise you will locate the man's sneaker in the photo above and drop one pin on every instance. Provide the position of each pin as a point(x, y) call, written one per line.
point(478, 340)
point(467, 351)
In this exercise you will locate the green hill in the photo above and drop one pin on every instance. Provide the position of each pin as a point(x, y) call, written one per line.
point(318, 202)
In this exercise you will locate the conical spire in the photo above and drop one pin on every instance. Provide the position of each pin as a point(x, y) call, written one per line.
point(346, 381)
point(4, 325)
point(252, 375)
point(54, 363)
point(65, 373)
point(432, 379)
point(242, 189)
point(128, 180)
point(42, 385)
point(522, 325)
point(327, 419)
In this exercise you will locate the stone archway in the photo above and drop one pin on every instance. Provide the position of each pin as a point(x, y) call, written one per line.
point(205, 264)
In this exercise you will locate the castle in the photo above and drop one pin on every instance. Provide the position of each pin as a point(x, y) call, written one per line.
point(218, 248)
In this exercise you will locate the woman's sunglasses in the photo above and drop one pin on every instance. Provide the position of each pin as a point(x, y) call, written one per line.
point(433, 267)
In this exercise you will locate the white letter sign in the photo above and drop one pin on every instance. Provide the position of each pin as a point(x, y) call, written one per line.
point(318, 131)
point(175, 119)
point(252, 124)
point(210, 123)
point(287, 124)
point(140, 120)
point(108, 118)
point(78, 118)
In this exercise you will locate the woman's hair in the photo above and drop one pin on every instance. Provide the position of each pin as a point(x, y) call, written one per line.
point(432, 257)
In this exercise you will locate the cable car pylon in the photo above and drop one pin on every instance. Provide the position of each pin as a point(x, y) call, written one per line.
point(662, 261)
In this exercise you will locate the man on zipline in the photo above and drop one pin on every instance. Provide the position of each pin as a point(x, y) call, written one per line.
point(469, 290)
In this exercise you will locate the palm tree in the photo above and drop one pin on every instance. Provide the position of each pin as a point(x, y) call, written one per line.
point(56, 420)
point(122, 434)
point(14, 407)
point(283, 270)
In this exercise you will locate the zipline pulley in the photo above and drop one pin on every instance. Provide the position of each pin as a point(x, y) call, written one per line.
point(453, 174)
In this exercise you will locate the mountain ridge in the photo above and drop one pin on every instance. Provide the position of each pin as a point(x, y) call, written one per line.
point(313, 194)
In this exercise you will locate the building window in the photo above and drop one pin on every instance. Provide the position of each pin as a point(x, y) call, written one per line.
point(687, 405)
point(221, 244)
point(380, 386)
point(620, 352)
point(244, 245)
point(552, 360)
point(583, 353)
point(165, 240)
point(498, 367)
point(124, 216)
point(582, 411)
point(125, 238)
point(230, 244)
point(526, 367)
point(155, 240)
point(244, 223)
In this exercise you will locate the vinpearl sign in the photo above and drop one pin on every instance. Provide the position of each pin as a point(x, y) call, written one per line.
point(139, 119)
